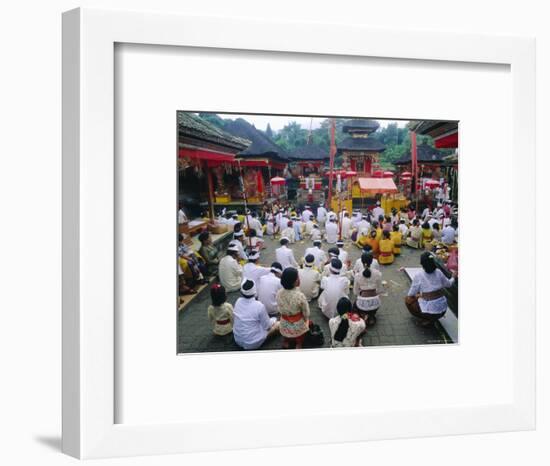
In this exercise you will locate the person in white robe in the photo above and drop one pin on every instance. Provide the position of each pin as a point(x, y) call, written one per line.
point(230, 271)
point(238, 239)
point(319, 255)
point(285, 255)
point(308, 227)
point(333, 253)
point(255, 224)
point(298, 228)
point(356, 218)
point(268, 286)
point(331, 233)
point(403, 229)
point(359, 264)
point(251, 322)
point(346, 226)
point(321, 215)
point(315, 233)
point(378, 211)
point(288, 232)
point(334, 287)
point(363, 226)
point(342, 253)
point(307, 213)
point(310, 278)
point(252, 270)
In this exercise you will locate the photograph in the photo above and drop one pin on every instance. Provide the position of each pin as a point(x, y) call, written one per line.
point(315, 232)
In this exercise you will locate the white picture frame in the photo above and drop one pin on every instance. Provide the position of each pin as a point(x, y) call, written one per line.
point(89, 38)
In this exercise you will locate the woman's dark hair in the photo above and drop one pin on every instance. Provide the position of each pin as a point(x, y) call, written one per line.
point(237, 227)
point(386, 234)
point(343, 307)
point(252, 233)
point(427, 262)
point(426, 226)
point(436, 226)
point(218, 295)
point(375, 224)
point(289, 277)
point(373, 234)
point(366, 259)
point(180, 237)
point(396, 228)
point(415, 222)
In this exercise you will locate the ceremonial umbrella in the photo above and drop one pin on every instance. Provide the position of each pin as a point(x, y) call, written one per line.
point(378, 174)
point(387, 174)
point(432, 184)
point(277, 181)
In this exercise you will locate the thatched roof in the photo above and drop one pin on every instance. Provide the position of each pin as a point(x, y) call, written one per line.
point(360, 125)
point(424, 153)
point(194, 127)
point(309, 152)
point(361, 144)
point(262, 145)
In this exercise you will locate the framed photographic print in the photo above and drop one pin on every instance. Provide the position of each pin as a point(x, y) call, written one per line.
point(260, 217)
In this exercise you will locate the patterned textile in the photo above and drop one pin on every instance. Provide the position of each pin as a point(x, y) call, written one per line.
point(291, 304)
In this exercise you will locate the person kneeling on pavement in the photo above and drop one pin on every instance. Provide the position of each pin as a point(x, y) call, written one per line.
point(426, 299)
point(346, 328)
point(251, 323)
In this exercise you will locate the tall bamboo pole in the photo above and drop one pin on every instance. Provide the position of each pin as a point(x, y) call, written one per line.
point(245, 199)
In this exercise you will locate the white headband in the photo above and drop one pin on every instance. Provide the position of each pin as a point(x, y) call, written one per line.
point(251, 291)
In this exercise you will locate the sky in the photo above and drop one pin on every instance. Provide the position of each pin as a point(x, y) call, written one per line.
point(278, 122)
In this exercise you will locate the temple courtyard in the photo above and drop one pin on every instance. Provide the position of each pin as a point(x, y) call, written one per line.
point(394, 326)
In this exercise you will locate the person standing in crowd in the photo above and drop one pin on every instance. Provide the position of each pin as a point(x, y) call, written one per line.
point(251, 325)
point(294, 310)
point(321, 215)
point(288, 232)
point(346, 328)
point(252, 270)
point(310, 278)
point(231, 272)
point(378, 211)
point(285, 255)
point(426, 299)
point(270, 226)
point(367, 287)
point(449, 233)
point(307, 214)
point(386, 256)
point(319, 255)
point(298, 227)
point(396, 237)
point(220, 312)
point(331, 231)
point(308, 227)
point(415, 235)
point(334, 287)
point(256, 225)
point(209, 253)
point(346, 226)
point(268, 286)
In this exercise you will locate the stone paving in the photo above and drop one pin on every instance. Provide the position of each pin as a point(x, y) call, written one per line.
point(394, 326)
